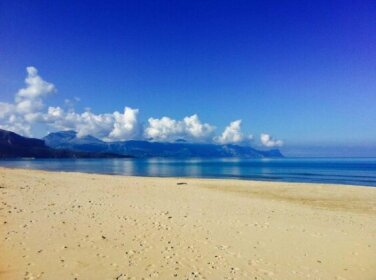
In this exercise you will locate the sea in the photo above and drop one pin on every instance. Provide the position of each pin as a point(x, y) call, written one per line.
point(348, 171)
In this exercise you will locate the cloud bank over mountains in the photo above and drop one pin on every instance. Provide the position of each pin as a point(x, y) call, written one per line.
point(29, 110)
point(233, 134)
point(190, 129)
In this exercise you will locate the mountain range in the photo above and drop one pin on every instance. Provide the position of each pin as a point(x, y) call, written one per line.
point(70, 141)
point(67, 144)
point(13, 145)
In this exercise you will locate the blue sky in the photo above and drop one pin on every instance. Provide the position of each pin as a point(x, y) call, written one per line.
point(301, 71)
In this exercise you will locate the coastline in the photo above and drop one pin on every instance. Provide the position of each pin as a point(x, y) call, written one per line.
point(67, 225)
point(354, 173)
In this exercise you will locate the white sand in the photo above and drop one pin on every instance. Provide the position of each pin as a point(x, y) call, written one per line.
point(82, 226)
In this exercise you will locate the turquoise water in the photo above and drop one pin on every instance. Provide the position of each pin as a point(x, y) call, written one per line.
point(356, 171)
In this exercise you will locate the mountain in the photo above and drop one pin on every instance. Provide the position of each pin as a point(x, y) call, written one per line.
point(70, 140)
point(13, 145)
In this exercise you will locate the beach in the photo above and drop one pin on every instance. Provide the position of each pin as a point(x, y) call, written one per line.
point(61, 225)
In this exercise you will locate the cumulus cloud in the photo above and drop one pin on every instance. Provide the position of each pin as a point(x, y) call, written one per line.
point(268, 141)
point(29, 99)
point(16, 124)
point(167, 129)
point(126, 125)
point(28, 110)
point(6, 110)
point(109, 126)
point(162, 129)
point(27, 105)
point(84, 123)
point(233, 134)
point(196, 129)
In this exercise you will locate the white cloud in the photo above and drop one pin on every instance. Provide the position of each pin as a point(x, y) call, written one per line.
point(109, 126)
point(29, 99)
point(196, 129)
point(28, 103)
point(28, 110)
point(167, 129)
point(16, 124)
point(84, 123)
point(6, 109)
point(233, 134)
point(36, 86)
point(268, 141)
point(126, 125)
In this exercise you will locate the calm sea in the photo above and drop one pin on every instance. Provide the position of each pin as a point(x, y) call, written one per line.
point(355, 171)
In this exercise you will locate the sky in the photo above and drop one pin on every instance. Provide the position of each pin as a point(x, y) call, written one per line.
point(295, 75)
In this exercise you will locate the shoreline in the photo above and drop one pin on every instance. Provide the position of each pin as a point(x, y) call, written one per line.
point(194, 178)
point(72, 225)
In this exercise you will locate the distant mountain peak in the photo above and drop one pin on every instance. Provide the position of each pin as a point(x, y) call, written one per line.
point(69, 136)
point(144, 148)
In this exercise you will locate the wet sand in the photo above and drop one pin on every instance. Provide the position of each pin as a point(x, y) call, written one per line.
point(56, 225)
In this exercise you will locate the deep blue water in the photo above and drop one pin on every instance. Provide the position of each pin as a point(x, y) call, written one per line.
point(355, 171)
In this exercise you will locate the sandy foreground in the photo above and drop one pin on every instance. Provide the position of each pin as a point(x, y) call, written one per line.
point(56, 225)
